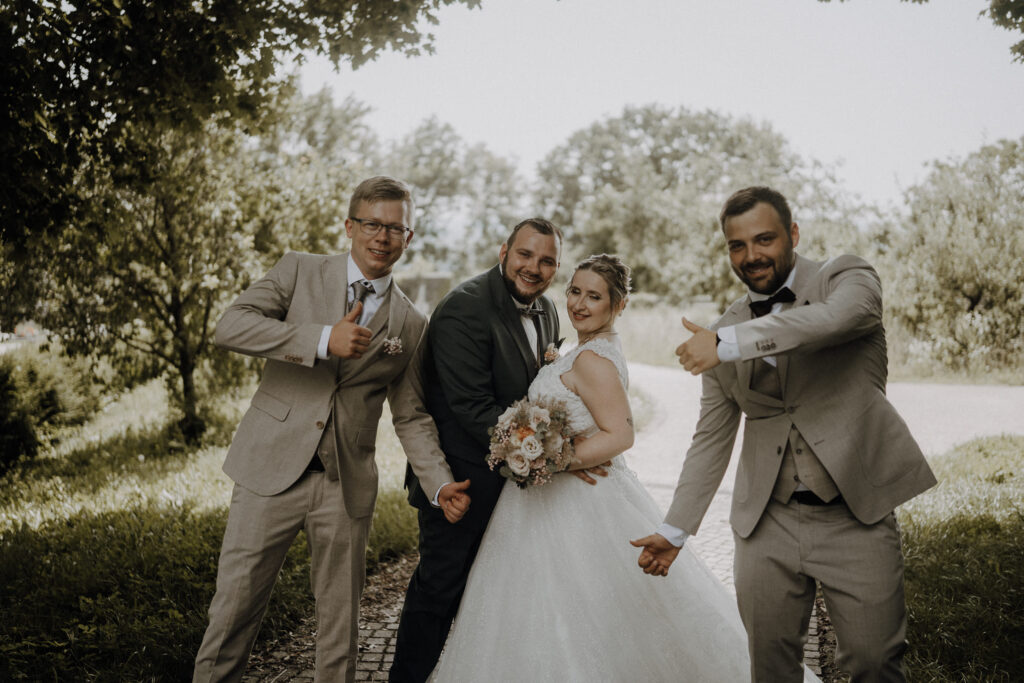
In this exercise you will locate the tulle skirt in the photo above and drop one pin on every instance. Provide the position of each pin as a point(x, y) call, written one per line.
point(555, 594)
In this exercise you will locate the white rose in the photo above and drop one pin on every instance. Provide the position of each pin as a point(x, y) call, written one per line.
point(554, 441)
point(507, 416)
point(519, 465)
point(538, 415)
point(531, 448)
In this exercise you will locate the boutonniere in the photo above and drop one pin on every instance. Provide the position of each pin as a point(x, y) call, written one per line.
point(392, 346)
point(551, 352)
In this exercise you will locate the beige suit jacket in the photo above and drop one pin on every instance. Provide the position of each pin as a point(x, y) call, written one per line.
point(830, 347)
point(280, 318)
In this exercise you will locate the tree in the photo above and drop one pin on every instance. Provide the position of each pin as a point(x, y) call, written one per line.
point(956, 265)
point(1008, 14)
point(467, 197)
point(156, 254)
point(303, 172)
point(76, 74)
point(649, 184)
point(150, 267)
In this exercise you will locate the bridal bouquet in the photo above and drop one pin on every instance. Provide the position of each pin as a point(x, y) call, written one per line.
point(531, 442)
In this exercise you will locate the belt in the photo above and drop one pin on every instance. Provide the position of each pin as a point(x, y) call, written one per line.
point(315, 465)
point(809, 498)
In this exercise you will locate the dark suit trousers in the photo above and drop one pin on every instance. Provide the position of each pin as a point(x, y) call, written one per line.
point(447, 552)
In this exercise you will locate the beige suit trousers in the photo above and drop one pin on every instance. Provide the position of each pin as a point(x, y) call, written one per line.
point(259, 532)
point(860, 568)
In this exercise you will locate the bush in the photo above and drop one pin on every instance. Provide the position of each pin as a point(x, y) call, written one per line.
point(964, 549)
point(394, 531)
point(965, 595)
point(121, 595)
point(40, 390)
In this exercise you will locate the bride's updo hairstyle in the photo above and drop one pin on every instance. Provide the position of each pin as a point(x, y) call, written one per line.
point(613, 271)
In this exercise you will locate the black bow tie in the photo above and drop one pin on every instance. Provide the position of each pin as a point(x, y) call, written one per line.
point(532, 311)
point(764, 307)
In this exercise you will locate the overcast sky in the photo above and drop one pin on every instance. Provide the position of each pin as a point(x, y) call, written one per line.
point(878, 86)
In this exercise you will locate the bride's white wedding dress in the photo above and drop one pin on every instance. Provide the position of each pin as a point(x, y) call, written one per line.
point(555, 593)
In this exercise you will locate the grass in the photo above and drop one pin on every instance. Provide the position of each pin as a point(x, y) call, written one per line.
point(964, 548)
point(109, 543)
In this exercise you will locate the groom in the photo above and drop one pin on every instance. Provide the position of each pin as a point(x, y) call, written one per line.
point(486, 342)
point(338, 335)
point(825, 456)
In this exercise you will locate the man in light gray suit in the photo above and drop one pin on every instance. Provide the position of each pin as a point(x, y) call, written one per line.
point(825, 457)
point(339, 336)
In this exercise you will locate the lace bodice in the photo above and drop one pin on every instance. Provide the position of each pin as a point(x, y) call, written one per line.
point(548, 383)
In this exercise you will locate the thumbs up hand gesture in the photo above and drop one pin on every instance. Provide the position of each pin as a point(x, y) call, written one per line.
point(699, 352)
point(349, 339)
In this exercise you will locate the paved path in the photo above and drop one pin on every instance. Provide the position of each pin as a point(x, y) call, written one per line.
point(939, 415)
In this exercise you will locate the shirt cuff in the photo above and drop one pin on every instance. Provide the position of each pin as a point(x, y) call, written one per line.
point(673, 535)
point(728, 347)
point(321, 348)
point(437, 495)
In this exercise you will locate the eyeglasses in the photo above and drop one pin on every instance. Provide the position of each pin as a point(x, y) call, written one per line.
point(371, 228)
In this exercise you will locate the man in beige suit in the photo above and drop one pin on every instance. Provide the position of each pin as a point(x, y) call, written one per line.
point(825, 457)
point(339, 336)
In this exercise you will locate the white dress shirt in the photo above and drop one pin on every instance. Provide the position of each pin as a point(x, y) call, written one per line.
point(371, 303)
point(729, 352)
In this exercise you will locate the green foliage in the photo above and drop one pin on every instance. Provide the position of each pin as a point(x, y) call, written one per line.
point(648, 185)
point(394, 531)
point(120, 595)
point(965, 565)
point(154, 263)
point(40, 390)
point(456, 184)
point(1008, 14)
point(955, 263)
point(109, 545)
point(77, 76)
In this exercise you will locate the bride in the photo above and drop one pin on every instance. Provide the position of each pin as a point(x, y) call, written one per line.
point(554, 594)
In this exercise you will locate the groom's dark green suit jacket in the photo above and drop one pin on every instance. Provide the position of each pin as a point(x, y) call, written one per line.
point(478, 363)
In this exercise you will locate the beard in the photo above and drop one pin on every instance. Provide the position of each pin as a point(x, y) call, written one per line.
point(513, 289)
point(781, 269)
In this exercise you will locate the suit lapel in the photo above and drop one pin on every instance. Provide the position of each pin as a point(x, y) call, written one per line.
point(334, 274)
point(738, 313)
point(398, 309)
point(510, 318)
point(805, 272)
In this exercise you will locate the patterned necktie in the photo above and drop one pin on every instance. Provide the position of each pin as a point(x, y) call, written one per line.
point(764, 307)
point(360, 289)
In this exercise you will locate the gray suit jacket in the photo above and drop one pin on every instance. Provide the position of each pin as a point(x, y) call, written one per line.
point(830, 347)
point(280, 318)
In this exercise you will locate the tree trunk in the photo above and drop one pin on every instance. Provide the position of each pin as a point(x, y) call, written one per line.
point(192, 426)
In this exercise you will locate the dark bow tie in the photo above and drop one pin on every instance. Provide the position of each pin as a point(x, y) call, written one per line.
point(764, 307)
point(531, 311)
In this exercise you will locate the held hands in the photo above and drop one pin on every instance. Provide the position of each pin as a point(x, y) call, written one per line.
point(699, 352)
point(348, 338)
point(657, 555)
point(454, 500)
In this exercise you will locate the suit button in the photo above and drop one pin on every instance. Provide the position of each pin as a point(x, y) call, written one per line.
point(799, 451)
point(778, 451)
point(319, 424)
point(796, 477)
